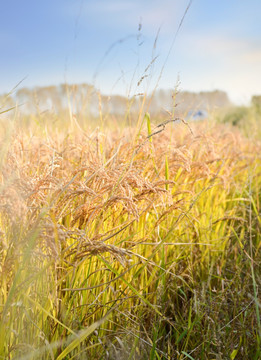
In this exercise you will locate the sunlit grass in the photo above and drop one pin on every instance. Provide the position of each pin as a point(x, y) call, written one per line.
point(137, 244)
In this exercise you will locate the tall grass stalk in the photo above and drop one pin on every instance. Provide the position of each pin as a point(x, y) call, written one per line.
point(103, 257)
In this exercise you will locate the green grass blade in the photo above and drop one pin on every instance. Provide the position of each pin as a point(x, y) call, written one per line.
point(147, 118)
point(82, 336)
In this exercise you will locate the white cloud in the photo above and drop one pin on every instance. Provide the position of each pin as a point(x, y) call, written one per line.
point(153, 13)
point(208, 62)
point(113, 6)
point(232, 49)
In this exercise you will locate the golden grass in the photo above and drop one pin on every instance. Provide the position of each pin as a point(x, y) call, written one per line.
point(116, 245)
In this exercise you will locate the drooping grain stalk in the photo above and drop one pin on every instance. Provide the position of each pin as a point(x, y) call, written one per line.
point(91, 230)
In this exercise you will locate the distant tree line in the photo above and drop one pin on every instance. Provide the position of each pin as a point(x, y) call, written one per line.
point(86, 100)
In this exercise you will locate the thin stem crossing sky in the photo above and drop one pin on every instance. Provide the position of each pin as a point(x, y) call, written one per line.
point(111, 43)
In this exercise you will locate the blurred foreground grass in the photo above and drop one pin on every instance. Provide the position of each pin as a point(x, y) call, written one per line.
point(119, 246)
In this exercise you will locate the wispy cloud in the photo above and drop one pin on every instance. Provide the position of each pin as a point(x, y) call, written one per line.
point(223, 62)
point(227, 53)
point(154, 13)
point(114, 7)
point(217, 45)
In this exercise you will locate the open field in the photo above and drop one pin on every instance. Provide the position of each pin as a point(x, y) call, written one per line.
point(132, 243)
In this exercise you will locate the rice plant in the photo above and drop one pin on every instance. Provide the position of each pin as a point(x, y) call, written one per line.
point(139, 244)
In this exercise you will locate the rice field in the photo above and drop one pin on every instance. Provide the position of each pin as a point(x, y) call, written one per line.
point(139, 242)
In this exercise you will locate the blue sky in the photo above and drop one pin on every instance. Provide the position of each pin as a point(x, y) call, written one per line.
point(99, 41)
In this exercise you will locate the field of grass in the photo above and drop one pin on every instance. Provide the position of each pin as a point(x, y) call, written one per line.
point(132, 243)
